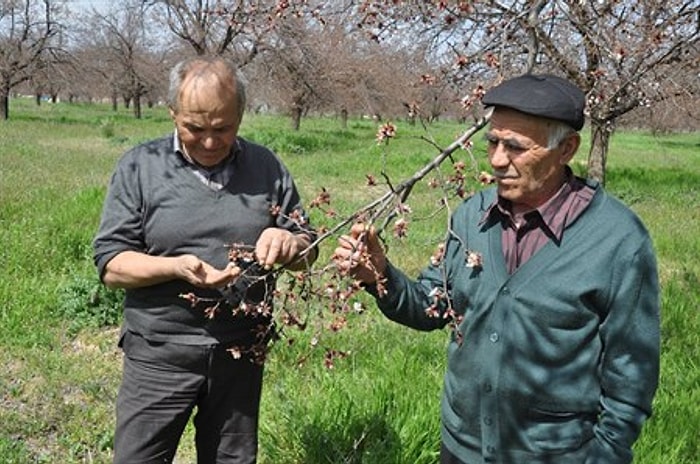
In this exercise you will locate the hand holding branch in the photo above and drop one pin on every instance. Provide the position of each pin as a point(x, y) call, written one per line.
point(280, 246)
point(361, 254)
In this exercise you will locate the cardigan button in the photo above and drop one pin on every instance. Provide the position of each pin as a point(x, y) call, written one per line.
point(494, 337)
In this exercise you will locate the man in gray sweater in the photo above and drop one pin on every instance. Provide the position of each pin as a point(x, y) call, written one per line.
point(174, 208)
point(552, 287)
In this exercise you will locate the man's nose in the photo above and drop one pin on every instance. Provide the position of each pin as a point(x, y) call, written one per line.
point(498, 156)
point(210, 142)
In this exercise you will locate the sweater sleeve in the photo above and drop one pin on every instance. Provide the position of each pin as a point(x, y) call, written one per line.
point(425, 303)
point(294, 217)
point(413, 303)
point(428, 303)
point(121, 225)
point(630, 361)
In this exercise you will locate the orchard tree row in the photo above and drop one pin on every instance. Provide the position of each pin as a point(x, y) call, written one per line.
point(637, 60)
point(297, 60)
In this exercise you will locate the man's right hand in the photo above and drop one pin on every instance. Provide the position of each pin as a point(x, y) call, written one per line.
point(202, 274)
point(132, 269)
point(360, 254)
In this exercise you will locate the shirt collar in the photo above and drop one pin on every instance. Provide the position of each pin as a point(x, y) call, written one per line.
point(552, 213)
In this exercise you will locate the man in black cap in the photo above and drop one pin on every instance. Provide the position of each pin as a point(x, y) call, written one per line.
point(553, 286)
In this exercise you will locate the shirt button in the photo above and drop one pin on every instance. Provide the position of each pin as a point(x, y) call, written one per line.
point(488, 388)
point(505, 290)
point(494, 337)
point(491, 449)
point(488, 421)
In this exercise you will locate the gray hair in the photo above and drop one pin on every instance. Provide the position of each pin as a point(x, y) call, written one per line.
point(212, 64)
point(557, 132)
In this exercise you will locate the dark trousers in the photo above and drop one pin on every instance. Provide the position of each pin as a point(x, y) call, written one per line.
point(162, 383)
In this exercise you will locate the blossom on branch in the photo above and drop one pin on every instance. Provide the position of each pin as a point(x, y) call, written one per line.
point(401, 228)
point(474, 260)
point(386, 131)
point(485, 178)
point(428, 79)
point(438, 255)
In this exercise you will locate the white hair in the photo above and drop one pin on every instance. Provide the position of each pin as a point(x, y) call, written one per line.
point(557, 132)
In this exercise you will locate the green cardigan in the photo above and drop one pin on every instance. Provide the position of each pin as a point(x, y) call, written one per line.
point(557, 362)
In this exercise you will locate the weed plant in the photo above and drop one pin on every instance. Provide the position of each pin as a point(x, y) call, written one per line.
point(59, 327)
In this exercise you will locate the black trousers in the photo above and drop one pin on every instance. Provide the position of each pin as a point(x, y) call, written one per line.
point(163, 383)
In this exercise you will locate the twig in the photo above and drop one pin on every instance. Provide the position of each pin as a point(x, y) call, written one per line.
point(380, 205)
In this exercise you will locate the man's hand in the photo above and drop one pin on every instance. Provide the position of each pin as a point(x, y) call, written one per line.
point(132, 269)
point(279, 246)
point(360, 254)
point(201, 274)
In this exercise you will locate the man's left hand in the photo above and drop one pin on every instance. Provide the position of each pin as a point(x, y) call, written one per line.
point(279, 246)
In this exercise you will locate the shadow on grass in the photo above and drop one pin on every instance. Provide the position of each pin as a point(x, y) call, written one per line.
point(680, 144)
point(368, 440)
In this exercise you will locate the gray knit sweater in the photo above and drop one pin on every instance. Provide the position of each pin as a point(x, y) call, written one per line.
point(155, 204)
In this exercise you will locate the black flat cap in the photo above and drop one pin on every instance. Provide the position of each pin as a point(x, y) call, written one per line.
point(542, 95)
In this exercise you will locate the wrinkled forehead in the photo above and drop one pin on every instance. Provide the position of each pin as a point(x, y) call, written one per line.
point(515, 122)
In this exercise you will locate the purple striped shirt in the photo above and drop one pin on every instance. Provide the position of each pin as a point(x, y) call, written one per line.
point(524, 235)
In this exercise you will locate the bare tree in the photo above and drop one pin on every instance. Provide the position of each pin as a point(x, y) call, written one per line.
point(624, 54)
point(206, 26)
point(120, 47)
point(46, 81)
point(327, 66)
point(215, 27)
point(294, 66)
point(368, 78)
point(56, 73)
point(636, 54)
point(27, 32)
point(305, 54)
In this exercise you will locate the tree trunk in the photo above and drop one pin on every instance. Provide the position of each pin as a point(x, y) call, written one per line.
point(296, 117)
point(5, 103)
point(137, 106)
point(37, 99)
point(344, 118)
point(115, 102)
point(598, 155)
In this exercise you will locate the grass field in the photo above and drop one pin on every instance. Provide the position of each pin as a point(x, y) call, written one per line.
point(59, 366)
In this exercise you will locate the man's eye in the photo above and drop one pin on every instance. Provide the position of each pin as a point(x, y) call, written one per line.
point(194, 129)
point(513, 147)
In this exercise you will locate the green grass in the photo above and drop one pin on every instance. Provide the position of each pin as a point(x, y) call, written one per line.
point(60, 366)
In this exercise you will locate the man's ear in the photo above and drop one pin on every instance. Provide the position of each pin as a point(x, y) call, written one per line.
point(569, 147)
point(172, 112)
